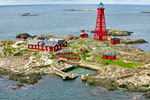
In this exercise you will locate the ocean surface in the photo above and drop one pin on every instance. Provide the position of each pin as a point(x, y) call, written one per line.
point(57, 20)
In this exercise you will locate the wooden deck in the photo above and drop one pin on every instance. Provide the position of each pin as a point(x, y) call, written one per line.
point(65, 76)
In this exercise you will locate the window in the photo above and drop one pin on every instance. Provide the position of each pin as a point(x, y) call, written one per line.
point(44, 47)
point(56, 48)
point(40, 47)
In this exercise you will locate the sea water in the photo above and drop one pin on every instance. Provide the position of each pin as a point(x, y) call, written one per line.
point(57, 20)
point(54, 88)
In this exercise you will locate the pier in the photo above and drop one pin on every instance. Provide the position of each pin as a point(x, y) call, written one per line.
point(65, 76)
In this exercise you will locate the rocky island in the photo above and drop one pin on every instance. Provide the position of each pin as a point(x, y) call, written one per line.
point(129, 72)
point(28, 14)
point(116, 32)
point(145, 12)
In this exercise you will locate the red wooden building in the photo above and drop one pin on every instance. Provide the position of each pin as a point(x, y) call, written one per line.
point(115, 41)
point(83, 34)
point(112, 57)
point(44, 45)
point(71, 38)
point(23, 37)
point(83, 50)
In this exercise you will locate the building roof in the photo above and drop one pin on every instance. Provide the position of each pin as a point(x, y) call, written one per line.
point(58, 40)
point(42, 38)
point(33, 42)
point(108, 55)
point(50, 43)
point(115, 39)
point(45, 42)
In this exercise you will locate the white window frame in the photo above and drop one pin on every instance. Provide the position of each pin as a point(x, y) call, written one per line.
point(30, 46)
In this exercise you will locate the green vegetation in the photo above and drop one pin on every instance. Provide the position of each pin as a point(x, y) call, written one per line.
point(84, 55)
point(7, 51)
point(36, 51)
point(7, 43)
point(107, 62)
point(51, 53)
point(81, 42)
point(71, 56)
point(120, 63)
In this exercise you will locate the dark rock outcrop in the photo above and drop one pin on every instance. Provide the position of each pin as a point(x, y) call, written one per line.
point(116, 32)
point(23, 34)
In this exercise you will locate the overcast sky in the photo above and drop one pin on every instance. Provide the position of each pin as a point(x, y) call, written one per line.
point(16, 2)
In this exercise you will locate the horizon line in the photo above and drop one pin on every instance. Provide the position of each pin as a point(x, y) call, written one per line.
point(66, 4)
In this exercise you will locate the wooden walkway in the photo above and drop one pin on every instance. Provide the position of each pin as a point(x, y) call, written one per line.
point(67, 68)
point(65, 76)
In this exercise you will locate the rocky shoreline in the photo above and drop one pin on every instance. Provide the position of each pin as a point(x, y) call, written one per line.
point(113, 78)
point(117, 32)
point(130, 71)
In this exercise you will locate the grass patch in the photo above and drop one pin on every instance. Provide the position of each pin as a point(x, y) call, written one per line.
point(71, 56)
point(68, 44)
point(84, 55)
point(120, 63)
point(51, 53)
point(81, 42)
point(74, 47)
point(36, 51)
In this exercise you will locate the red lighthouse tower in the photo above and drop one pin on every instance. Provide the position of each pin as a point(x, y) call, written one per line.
point(100, 30)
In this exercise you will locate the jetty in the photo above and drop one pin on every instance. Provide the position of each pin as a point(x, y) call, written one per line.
point(84, 64)
point(67, 67)
point(65, 76)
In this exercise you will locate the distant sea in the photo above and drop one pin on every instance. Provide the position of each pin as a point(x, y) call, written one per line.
point(57, 20)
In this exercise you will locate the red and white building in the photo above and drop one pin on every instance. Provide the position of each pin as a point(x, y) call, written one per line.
point(44, 45)
point(83, 34)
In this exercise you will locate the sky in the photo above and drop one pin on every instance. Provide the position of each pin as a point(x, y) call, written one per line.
point(24, 2)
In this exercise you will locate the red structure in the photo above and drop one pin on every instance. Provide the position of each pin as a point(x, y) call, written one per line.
point(23, 37)
point(83, 50)
point(112, 57)
point(100, 30)
point(83, 34)
point(44, 45)
point(115, 41)
point(71, 38)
